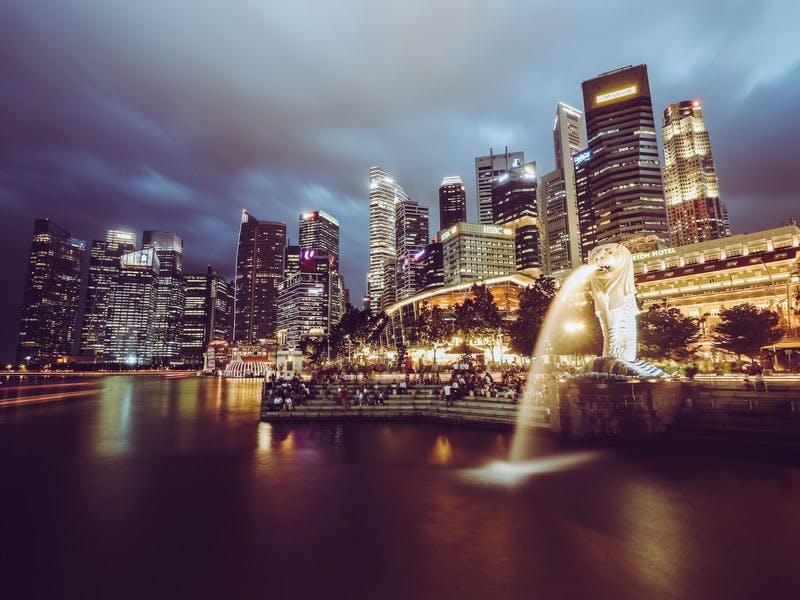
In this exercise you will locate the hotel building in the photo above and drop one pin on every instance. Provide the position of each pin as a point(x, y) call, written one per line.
point(691, 191)
point(701, 279)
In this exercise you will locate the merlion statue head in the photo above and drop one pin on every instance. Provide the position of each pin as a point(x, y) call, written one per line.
point(613, 275)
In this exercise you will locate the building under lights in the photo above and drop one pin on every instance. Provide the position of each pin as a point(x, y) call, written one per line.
point(384, 195)
point(402, 315)
point(104, 267)
point(320, 231)
point(52, 293)
point(691, 191)
point(170, 295)
point(704, 278)
point(259, 270)
point(624, 175)
point(558, 200)
point(452, 202)
point(474, 252)
point(487, 170)
point(306, 300)
point(515, 205)
point(411, 238)
point(133, 306)
point(208, 315)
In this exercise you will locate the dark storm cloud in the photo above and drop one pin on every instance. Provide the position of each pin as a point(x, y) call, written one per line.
point(177, 114)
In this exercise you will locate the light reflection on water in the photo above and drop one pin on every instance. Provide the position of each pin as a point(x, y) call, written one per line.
point(178, 479)
point(512, 473)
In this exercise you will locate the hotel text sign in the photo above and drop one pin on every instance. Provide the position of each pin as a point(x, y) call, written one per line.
point(615, 94)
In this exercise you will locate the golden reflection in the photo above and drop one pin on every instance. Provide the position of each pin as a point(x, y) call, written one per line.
point(655, 536)
point(288, 445)
point(442, 451)
point(264, 437)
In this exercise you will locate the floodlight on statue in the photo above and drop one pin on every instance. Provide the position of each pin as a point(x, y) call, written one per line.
point(614, 293)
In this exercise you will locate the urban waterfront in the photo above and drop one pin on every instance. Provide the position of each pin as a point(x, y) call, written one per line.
point(170, 487)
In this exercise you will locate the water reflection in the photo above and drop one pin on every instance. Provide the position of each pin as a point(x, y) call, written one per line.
point(512, 473)
point(442, 454)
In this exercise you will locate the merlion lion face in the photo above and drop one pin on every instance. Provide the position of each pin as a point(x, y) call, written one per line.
point(611, 261)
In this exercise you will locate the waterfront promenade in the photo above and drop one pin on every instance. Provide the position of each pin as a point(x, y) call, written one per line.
point(709, 414)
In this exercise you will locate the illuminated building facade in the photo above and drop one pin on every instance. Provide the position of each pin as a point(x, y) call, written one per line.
point(694, 210)
point(473, 252)
point(104, 267)
point(170, 295)
point(515, 205)
point(411, 238)
point(320, 231)
point(208, 315)
point(558, 199)
point(133, 308)
point(701, 279)
point(384, 195)
point(402, 315)
point(259, 270)
point(52, 293)
point(305, 300)
point(452, 202)
point(487, 170)
point(626, 193)
point(431, 262)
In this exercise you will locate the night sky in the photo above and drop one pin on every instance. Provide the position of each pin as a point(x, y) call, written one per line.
point(174, 115)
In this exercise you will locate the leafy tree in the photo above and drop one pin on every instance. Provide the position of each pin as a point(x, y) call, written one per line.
point(744, 330)
point(478, 317)
point(534, 302)
point(433, 328)
point(356, 328)
point(666, 333)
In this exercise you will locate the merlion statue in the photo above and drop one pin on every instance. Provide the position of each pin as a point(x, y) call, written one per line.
point(614, 295)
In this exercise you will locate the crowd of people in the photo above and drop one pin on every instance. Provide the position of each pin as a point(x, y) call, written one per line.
point(285, 392)
point(463, 380)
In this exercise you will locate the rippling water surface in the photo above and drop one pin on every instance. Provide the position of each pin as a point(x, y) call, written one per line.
point(166, 487)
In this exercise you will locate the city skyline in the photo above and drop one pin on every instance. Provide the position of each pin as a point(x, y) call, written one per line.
point(103, 131)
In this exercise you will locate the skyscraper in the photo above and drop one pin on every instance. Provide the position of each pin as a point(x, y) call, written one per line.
point(515, 204)
point(557, 193)
point(694, 210)
point(170, 295)
point(384, 194)
point(304, 299)
point(259, 270)
point(133, 309)
point(52, 293)
point(320, 231)
point(452, 202)
point(411, 237)
point(208, 314)
point(627, 198)
point(104, 267)
point(487, 170)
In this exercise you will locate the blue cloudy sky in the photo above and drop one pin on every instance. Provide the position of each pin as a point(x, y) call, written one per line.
point(176, 114)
